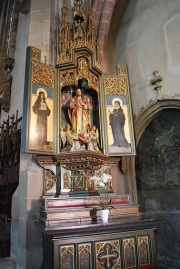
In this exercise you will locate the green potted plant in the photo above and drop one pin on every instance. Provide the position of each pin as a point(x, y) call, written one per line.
point(103, 184)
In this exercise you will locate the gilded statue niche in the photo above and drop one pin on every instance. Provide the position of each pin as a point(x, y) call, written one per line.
point(80, 121)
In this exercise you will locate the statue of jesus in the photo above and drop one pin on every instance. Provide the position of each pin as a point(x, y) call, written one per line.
point(80, 112)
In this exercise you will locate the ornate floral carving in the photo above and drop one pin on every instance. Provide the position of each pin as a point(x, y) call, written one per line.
point(66, 180)
point(94, 82)
point(42, 74)
point(116, 85)
point(36, 54)
point(49, 179)
point(68, 77)
point(122, 69)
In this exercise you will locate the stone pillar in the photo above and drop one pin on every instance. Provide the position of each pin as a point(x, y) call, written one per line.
point(9, 12)
point(39, 28)
point(4, 10)
point(26, 245)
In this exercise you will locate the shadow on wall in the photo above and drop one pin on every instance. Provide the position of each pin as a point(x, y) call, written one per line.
point(158, 182)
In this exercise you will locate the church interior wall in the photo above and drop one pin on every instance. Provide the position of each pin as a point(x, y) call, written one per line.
point(39, 27)
point(18, 72)
point(19, 68)
point(146, 41)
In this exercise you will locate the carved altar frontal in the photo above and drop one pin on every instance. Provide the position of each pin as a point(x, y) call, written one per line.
point(124, 243)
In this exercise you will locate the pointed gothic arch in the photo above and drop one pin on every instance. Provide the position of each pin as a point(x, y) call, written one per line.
point(147, 115)
point(107, 15)
point(140, 123)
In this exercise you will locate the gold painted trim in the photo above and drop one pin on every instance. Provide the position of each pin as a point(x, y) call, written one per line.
point(104, 234)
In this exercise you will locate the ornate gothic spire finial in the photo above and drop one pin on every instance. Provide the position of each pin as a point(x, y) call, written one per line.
point(78, 34)
point(90, 28)
point(64, 31)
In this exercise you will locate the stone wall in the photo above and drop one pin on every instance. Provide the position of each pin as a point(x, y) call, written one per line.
point(148, 40)
point(158, 182)
point(39, 27)
point(26, 244)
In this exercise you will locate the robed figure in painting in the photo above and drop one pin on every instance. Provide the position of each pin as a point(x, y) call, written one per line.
point(117, 122)
point(42, 111)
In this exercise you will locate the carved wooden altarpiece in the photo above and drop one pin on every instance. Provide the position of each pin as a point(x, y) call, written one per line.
point(71, 109)
point(72, 131)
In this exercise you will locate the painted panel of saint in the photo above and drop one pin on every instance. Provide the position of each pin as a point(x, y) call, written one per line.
point(41, 119)
point(79, 123)
point(119, 135)
point(119, 139)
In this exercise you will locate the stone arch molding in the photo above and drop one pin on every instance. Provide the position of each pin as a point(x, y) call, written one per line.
point(147, 115)
point(103, 14)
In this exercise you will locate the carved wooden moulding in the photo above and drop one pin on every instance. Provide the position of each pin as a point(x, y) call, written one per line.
point(76, 161)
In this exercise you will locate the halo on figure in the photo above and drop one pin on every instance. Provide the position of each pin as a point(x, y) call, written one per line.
point(116, 99)
point(41, 90)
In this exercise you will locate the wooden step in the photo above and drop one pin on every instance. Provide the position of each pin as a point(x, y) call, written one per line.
point(52, 219)
point(51, 203)
point(7, 263)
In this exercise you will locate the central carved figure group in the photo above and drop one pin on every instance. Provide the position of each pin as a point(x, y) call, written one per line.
point(79, 133)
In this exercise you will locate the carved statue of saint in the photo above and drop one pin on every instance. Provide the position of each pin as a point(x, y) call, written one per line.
point(94, 139)
point(66, 138)
point(79, 31)
point(80, 112)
